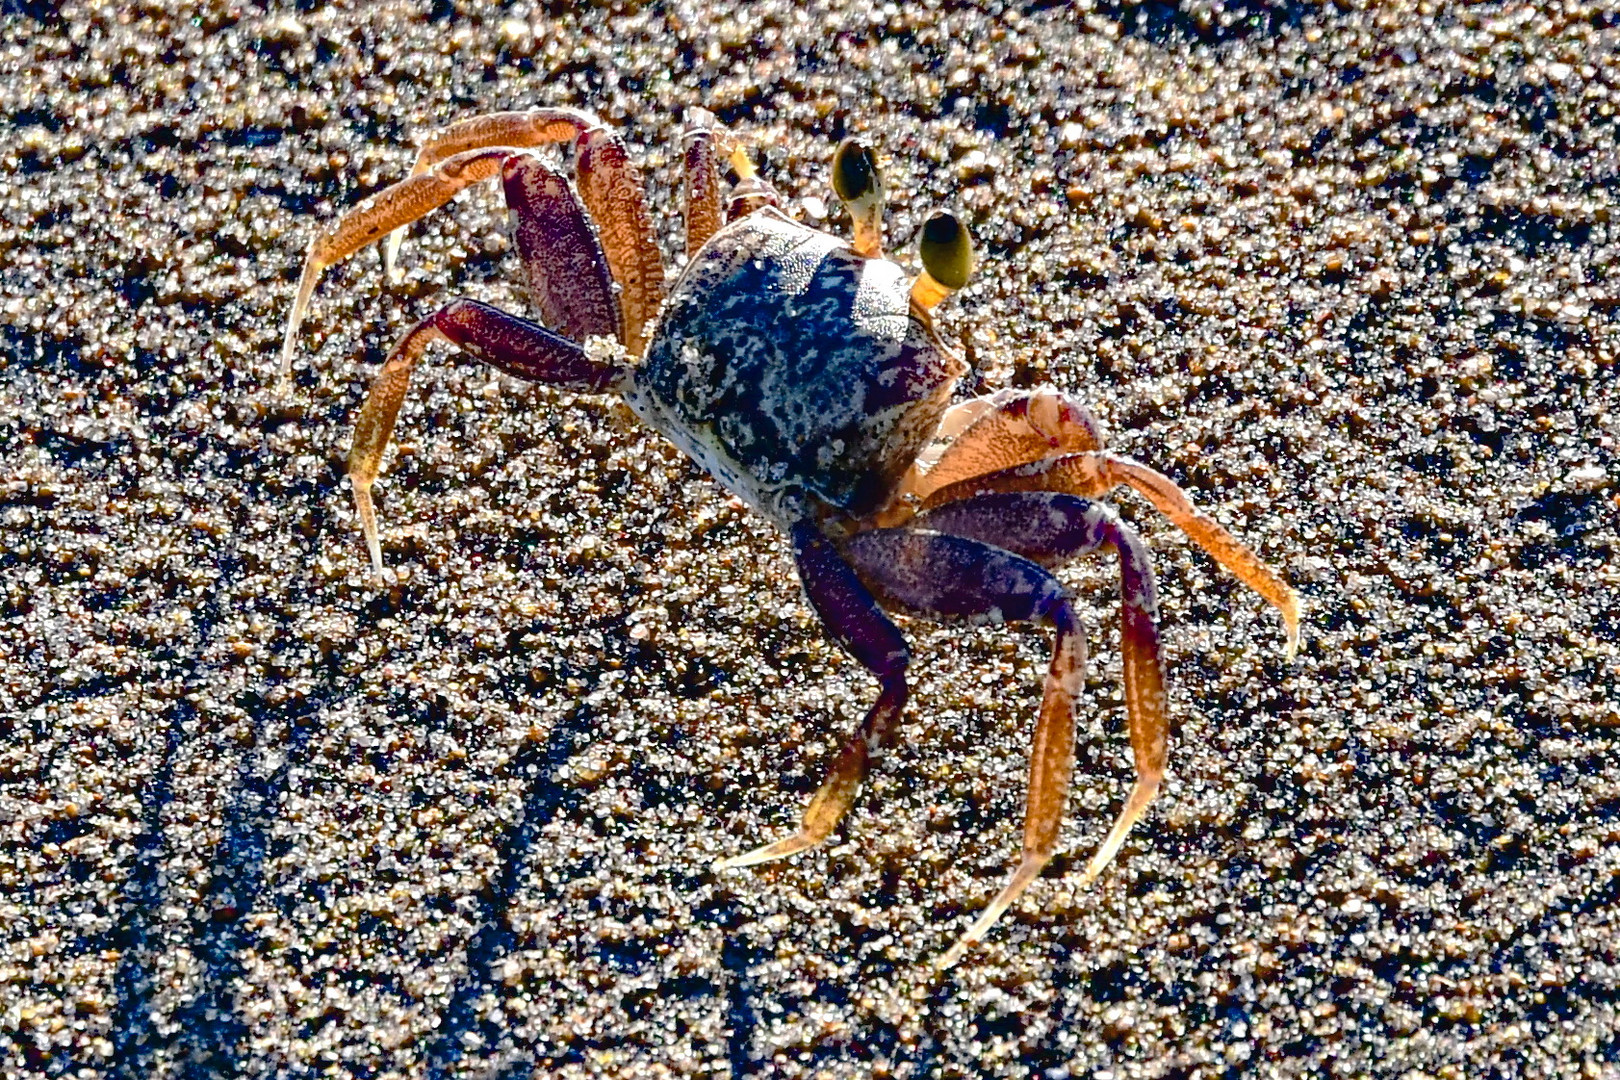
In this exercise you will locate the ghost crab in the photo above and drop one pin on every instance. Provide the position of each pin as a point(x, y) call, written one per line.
point(805, 374)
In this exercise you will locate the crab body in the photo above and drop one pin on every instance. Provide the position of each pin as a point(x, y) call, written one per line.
point(805, 374)
point(794, 370)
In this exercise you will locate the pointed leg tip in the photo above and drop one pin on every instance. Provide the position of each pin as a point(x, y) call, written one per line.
point(732, 862)
point(781, 849)
point(1292, 613)
point(949, 958)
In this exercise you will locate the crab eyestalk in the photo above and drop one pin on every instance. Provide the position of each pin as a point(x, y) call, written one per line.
point(751, 191)
point(859, 186)
point(947, 258)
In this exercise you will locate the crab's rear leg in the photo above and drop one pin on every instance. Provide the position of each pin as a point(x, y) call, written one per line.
point(569, 278)
point(533, 127)
point(609, 182)
point(514, 345)
point(854, 620)
point(611, 186)
point(392, 207)
point(1095, 473)
point(702, 171)
point(939, 576)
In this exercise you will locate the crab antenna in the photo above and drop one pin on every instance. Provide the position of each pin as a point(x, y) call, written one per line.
point(859, 186)
point(947, 258)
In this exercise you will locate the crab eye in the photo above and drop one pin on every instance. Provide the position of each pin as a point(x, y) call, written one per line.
point(946, 250)
point(854, 172)
point(859, 186)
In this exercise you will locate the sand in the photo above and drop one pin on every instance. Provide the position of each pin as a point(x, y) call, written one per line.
point(1348, 275)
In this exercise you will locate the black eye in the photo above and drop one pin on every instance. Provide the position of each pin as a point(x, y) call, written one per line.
point(946, 250)
point(854, 170)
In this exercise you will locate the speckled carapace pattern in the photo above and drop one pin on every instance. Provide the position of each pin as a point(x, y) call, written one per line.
point(795, 371)
point(1348, 275)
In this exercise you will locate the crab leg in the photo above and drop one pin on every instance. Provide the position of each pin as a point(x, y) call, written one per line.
point(535, 127)
point(1096, 473)
point(568, 272)
point(938, 576)
point(396, 205)
point(515, 346)
point(1004, 429)
point(609, 182)
point(610, 185)
point(854, 620)
point(702, 183)
point(568, 277)
point(1051, 528)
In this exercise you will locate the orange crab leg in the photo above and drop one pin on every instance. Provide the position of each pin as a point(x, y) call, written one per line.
point(517, 130)
point(854, 620)
point(1098, 472)
point(391, 207)
point(939, 576)
point(1007, 428)
point(610, 186)
point(1051, 529)
point(514, 345)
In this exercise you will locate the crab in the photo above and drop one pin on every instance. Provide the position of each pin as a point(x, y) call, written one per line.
point(804, 372)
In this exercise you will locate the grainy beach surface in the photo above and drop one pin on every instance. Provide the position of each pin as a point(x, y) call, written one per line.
point(1349, 275)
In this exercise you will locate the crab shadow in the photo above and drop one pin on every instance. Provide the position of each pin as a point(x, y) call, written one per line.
point(207, 1031)
point(543, 800)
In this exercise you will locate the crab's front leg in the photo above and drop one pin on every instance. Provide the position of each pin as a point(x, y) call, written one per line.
point(1098, 472)
point(857, 623)
point(1051, 529)
point(944, 577)
point(1000, 431)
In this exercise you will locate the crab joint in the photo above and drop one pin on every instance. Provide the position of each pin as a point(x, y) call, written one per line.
point(947, 258)
point(859, 185)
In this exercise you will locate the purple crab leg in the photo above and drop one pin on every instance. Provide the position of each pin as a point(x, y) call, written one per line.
point(1099, 472)
point(1052, 528)
point(534, 127)
point(856, 622)
point(516, 346)
point(937, 576)
point(568, 272)
point(702, 182)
